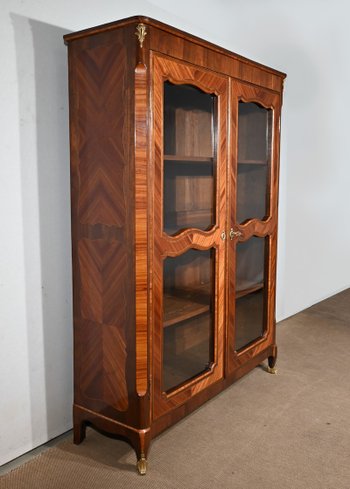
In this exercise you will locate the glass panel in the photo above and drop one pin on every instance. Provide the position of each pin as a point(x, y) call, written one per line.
point(254, 158)
point(188, 316)
point(189, 158)
point(250, 291)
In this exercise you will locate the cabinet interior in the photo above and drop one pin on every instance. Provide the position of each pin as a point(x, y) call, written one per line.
point(189, 158)
point(189, 202)
point(188, 315)
point(253, 161)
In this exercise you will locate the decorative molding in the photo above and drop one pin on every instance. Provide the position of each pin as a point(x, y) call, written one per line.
point(141, 228)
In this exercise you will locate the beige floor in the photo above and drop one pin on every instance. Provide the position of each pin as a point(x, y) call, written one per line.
point(288, 431)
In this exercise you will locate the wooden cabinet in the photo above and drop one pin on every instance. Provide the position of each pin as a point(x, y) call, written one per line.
point(174, 177)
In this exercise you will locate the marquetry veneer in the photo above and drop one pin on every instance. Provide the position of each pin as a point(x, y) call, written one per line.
point(174, 185)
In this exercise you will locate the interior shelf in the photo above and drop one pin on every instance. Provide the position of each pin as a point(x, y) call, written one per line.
point(241, 292)
point(187, 159)
point(252, 162)
point(191, 219)
point(177, 309)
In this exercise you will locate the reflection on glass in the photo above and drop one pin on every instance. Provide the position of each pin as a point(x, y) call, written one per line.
point(188, 316)
point(250, 291)
point(254, 157)
point(189, 158)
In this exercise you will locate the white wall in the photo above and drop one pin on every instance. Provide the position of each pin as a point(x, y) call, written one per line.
point(308, 39)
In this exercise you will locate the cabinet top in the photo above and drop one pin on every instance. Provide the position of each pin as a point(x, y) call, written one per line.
point(165, 28)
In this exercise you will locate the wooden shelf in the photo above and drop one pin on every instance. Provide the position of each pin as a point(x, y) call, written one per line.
point(196, 219)
point(249, 290)
point(252, 162)
point(188, 159)
point(177, 309)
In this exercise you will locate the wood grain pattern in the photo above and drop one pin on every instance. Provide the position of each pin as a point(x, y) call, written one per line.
point(253, 227)
point(139, 439)
point(119, 245)
point(101, 196)
point(171, 417)
point(102, 225)
point(204, 56)
point(188, 159)
point(177, 309)
point(181, 73)
point(177, 43)
point(141, 223)
point(103, 266)
point(102, 354)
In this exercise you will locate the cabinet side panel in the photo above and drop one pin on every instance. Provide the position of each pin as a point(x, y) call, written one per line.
point(102, 169)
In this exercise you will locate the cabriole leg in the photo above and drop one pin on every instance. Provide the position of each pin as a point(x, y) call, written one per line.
point(79, 432)
point(141, 446)
point(79, 426)
point(272, 362)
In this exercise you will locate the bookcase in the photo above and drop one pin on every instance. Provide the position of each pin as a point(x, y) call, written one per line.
point(174, 187)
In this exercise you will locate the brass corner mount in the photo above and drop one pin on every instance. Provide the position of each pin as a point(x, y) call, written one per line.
point(141, 32)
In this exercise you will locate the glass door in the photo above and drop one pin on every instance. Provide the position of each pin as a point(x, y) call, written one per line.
point(190, 166)
point(253, 221)
point(188, 317)
point(189, 218)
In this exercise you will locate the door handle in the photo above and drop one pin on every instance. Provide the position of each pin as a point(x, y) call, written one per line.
point(234, 234)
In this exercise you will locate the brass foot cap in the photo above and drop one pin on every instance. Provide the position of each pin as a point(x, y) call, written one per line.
point(142, 466)
point(272, 370)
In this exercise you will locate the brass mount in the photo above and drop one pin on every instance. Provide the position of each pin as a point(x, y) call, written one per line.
point(272, 370)
point(141, 32)
point(142, 465)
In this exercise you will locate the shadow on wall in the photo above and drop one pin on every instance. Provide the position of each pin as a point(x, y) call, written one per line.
point(43, 114)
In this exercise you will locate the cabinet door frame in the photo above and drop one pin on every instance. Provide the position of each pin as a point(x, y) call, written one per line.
point(179, 72)
point(267, 227)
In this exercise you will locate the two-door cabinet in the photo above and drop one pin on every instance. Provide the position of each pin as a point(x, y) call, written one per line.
point(174, 187)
